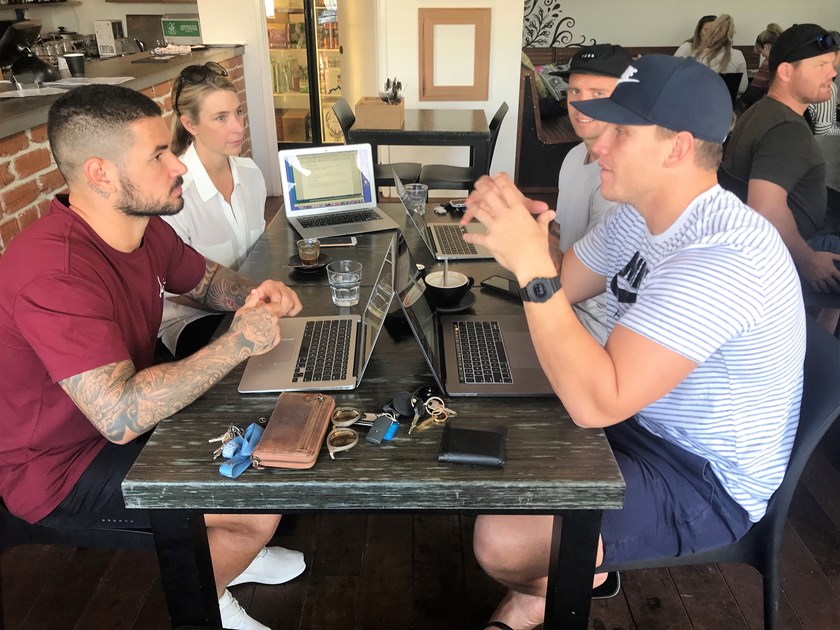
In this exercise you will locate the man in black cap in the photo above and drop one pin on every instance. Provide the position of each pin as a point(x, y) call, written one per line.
point(773, 150)
point(593, 73)
point(699, 384)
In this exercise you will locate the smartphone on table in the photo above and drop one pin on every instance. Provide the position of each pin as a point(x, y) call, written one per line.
point(502, 285)
point(337, 241)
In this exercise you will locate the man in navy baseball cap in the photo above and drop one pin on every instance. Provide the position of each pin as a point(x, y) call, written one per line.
point(695, 338)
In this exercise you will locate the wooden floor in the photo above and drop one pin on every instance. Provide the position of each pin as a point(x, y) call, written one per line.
point(401, 572)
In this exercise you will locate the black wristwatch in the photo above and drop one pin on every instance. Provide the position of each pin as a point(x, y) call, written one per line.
point(540, 289)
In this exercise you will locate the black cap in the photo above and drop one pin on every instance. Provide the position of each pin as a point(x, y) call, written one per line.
point(802, 41)
point(606, 60)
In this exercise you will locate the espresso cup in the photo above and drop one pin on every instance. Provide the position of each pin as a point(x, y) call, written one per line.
point(449, 295)
point(75, 64)
point(309, 250)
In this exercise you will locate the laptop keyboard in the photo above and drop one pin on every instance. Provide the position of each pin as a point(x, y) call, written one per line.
point(339, 218)
point(450, 239)
point(480, 353)
point(324, 351)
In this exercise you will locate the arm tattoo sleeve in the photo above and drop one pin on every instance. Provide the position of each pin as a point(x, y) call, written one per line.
point(123, 403)
point(221, 289)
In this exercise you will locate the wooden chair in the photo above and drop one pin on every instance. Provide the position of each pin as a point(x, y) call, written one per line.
point(408, 172)
point(761, 545)
point(446, 177)
point(14, 532)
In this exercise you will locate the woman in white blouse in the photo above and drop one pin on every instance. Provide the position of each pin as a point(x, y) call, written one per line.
point(716, 51)
point(224, 194)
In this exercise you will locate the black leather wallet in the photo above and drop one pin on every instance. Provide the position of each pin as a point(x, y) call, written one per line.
point(482, 447)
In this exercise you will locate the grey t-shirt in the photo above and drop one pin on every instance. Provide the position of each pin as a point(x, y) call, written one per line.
point(772, 142)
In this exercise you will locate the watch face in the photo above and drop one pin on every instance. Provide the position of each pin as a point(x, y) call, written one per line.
point(540, 290)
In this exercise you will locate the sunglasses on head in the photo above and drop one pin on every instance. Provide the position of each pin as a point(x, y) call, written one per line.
point(195, 75)
point(826, 41)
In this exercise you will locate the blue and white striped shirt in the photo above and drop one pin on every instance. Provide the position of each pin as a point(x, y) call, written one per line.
point(719, 288)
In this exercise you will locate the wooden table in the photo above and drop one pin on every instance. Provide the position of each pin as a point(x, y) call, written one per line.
point(553, 467)
point(435, 127)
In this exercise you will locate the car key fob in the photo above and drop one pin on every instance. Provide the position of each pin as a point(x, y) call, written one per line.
point(380, 429)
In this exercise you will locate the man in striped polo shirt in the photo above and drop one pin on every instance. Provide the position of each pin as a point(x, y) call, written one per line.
point(707, 333)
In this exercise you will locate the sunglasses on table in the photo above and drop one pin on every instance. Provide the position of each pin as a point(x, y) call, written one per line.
point(195, 75)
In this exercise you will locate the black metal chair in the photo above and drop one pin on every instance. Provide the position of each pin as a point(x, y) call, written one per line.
point(447, 177)
point(14, 532)
point(408, 172)
point(733, 82)
point(761, 545)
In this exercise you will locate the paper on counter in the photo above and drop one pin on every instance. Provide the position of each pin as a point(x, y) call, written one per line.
point(71, 82)
point(31, 92)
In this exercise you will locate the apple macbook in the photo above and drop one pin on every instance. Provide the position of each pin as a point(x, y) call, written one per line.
point(469, 355)
point(331, 191)
point(318, 353)
point(445, 241)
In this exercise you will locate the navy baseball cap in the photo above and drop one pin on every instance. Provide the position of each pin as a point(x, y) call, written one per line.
point(802, 41)
point(678, 93)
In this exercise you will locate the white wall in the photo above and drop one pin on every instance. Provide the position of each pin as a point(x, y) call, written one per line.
point(668, 22)
point(398, 56)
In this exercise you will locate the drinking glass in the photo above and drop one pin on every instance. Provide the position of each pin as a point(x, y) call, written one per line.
point(345, 278)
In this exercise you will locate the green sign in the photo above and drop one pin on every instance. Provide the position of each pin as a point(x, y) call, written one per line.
point(188, 28)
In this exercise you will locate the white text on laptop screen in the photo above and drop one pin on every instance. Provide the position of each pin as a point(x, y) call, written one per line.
point(326, 180)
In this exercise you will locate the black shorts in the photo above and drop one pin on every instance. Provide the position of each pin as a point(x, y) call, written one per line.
point(96, 500)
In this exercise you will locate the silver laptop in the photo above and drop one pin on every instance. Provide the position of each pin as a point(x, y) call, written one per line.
point(328, 352)
point(444, 240)
point(331, 191)
point(469, 355)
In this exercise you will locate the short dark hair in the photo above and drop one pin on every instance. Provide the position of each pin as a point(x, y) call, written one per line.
point(92, 121)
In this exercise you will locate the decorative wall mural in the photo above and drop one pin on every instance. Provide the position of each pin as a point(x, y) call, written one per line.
point(543, 26)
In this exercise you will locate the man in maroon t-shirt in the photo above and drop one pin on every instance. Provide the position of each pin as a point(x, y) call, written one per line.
point(81, 295)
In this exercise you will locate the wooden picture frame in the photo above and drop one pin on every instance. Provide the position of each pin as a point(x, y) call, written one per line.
point(436, 21)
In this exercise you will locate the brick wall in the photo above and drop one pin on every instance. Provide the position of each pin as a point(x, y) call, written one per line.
point(28, 175)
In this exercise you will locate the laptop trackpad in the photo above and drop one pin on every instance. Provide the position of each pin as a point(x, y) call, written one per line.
point(520, 350)
point(283, 352)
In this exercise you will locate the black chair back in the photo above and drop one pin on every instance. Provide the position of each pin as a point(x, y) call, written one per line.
point(733, 82)
point(495, 126)
point(346, 118)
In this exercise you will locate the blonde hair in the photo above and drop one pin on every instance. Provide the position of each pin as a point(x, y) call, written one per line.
point(768, 36)
point(189, 104)
point(718, 41)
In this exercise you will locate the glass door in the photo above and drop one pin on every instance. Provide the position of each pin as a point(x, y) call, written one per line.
point(305, 74)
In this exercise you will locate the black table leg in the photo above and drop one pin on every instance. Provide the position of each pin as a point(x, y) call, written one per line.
point(574, 544)
point(186, 569)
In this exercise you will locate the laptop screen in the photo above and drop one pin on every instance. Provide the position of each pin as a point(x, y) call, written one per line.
point(410, 289)
point(415, 218)
point(327, 179)
point(377, 307)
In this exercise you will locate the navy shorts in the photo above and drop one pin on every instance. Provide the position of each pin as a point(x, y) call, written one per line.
point(96, 500)
point(673, 504)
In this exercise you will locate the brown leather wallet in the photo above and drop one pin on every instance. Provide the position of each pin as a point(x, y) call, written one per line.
point(295, 431)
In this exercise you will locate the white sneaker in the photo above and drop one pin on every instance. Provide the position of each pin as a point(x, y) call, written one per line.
point(234, 618)
point(273, 565)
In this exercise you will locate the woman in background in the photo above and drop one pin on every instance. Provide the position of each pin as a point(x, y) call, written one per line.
point(224, 194)
point(692, 44)
point(758, 87)
point(716, 51)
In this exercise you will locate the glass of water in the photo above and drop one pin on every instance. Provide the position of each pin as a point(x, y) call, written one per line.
point(345, 278)
point(416, 196)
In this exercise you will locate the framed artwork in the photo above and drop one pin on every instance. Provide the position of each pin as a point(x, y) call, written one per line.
point(447, 34)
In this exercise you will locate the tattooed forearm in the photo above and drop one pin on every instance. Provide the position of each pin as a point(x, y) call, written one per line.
point(221, 289)
point(123, 403)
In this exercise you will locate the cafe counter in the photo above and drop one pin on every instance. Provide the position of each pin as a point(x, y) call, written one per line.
point(28, 175)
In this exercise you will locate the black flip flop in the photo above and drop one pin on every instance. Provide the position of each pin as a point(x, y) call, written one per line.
point(609, 588)
point(501, 625)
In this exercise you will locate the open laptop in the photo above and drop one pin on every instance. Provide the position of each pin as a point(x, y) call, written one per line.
point(329, 352)
point(331, 191)
point(444, 240)
point(469, 355)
